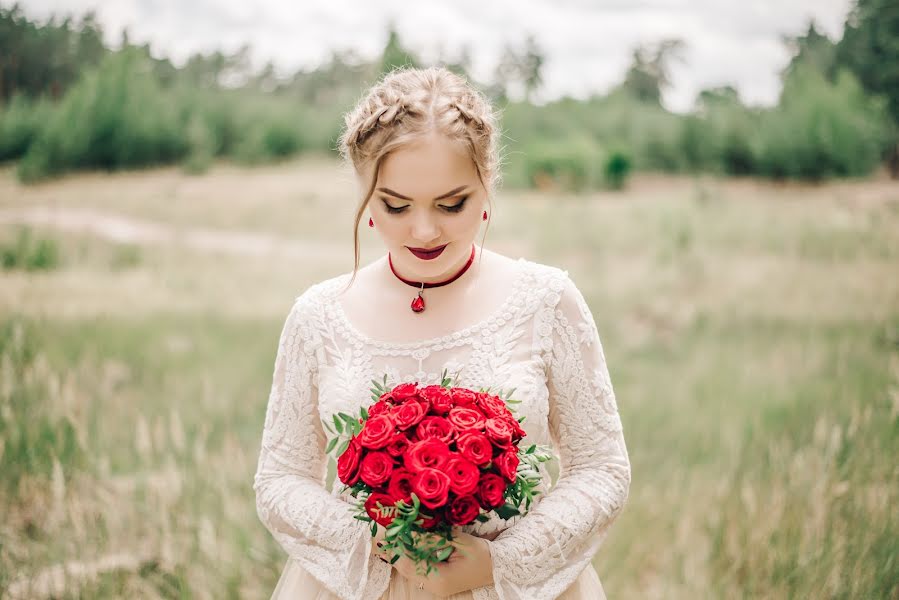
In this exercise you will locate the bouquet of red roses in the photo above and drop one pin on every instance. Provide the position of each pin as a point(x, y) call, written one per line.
point(421, 460)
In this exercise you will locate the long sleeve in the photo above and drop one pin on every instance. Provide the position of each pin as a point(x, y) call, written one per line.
point(544, 551)
point(313, 526)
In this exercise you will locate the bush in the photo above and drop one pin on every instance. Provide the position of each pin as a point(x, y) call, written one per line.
point(616, 168)
point(822, 129)
point(568, 164)
point(20, 122)
point(116, 116)
point(42, 255)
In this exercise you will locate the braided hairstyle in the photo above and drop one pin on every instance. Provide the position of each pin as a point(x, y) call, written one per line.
point(407, 104)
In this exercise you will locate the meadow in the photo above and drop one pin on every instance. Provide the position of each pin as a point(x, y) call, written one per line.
point(751, 329)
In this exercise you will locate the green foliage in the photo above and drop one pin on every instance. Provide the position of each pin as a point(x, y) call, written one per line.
point(115, 117)
point(20, 122)
point(821, 129)
point(29, 254)
point(870, 49)
point(616, 168)
point(569, 164)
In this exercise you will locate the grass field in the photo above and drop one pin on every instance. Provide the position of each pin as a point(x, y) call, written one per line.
point(752, 333)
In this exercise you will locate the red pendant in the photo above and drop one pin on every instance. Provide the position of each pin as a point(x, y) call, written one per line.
point(418, 304)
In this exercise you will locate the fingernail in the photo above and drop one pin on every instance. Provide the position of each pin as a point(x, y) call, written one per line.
point(379, 544)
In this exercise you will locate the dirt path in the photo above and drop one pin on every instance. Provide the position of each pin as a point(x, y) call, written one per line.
point(128, 230)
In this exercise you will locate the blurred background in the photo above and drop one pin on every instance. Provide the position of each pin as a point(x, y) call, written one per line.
point(719, 178)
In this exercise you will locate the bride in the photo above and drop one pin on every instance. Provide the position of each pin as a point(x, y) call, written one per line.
point(423, 146)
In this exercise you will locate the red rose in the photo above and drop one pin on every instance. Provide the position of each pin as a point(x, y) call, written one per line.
point(499, 431)
point(432, 487)
point(463, 475)
point(428, 520)
point(376, 468)
point(435, 427)
point(348, 463)
point(463, 510)
point(491, 490)
point(384, 515)
point(463, 396)
point(397, 445)
point(377, 432)
point(438, 397)
point(475, 447)
point(493, 406)
point(408, 414)
point(466, 418)
point(404, 392)
point(427, 454)
point(400, 486)
point(517, 431)
point(386, 397)
point(378, 408)
point(507, 463)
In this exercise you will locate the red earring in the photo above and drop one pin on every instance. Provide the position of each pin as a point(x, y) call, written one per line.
point(370, 222)
point(484, 218)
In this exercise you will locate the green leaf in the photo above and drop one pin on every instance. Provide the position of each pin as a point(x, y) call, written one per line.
point(531, 449)
point(507, 511)
point(343, 446)
point(374, 529)
point(395, 558)
point(331, 445)
point(337, 424)
point(363, 413)
point(349, 420)
point(445, 553)
point(482, 518)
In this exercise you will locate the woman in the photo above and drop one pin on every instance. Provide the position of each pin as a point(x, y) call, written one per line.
point(423, 145)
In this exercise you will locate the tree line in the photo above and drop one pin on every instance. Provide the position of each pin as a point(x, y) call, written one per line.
point(69, 102)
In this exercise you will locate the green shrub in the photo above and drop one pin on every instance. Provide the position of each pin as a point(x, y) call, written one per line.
point(20, 122)
point(117, 116)
point(822, 129)
point(569, 164)
point(616, 168)
point(28, 254)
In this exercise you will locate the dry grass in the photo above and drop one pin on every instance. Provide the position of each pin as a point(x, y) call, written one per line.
point(752, 332)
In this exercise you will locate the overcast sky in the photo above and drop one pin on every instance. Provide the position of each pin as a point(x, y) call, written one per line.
point(588, 43)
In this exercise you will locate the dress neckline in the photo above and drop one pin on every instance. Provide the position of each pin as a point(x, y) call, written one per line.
point(354, 331)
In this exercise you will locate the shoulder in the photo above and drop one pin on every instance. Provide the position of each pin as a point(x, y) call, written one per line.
point(307, 306)
point(554, 283)
point(559, 292)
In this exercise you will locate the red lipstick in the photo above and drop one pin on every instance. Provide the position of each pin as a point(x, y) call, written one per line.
point(427, 253)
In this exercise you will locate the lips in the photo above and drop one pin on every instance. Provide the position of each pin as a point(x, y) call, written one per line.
point(427, 254)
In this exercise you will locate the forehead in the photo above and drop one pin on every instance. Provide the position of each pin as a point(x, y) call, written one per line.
point(431, 166)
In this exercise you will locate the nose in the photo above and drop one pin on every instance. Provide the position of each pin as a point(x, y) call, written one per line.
point(424, 228)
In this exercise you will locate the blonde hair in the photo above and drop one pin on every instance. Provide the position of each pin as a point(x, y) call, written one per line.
point(406, 105)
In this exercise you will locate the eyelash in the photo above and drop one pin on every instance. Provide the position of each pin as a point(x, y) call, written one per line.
point(453, 209)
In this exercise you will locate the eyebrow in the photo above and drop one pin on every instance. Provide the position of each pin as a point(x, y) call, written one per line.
point(440, 197)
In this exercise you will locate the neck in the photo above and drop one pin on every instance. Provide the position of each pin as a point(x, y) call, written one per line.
point(450, 272)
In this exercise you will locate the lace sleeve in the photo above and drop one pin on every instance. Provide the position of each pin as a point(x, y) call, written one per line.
point(542, 553)
point(314, 527)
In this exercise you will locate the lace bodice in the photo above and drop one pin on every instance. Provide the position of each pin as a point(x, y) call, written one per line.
point(542, 341)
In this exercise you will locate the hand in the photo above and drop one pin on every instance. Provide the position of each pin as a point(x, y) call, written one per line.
point(469, 566)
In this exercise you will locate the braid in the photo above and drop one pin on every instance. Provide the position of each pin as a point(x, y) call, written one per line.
point(382, 115)
point(464, 106)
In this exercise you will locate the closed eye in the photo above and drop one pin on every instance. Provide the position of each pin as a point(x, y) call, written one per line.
point(456, 207)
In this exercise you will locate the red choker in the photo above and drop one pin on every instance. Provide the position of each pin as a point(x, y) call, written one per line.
point(418, 303)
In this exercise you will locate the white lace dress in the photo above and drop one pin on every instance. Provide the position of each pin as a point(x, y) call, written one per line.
point(543, 342)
